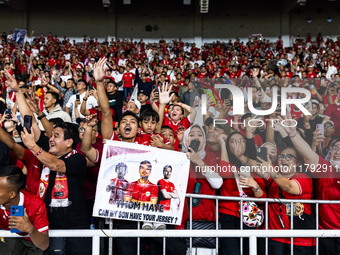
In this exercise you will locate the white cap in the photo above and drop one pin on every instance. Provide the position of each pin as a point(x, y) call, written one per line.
point(137, 103)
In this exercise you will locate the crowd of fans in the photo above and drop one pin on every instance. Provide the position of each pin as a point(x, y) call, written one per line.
point(79, 94)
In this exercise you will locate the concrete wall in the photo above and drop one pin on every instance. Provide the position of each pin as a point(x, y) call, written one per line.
point(226, 19)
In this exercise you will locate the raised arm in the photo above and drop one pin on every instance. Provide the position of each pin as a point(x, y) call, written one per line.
point(86, 143)
point(107, 122)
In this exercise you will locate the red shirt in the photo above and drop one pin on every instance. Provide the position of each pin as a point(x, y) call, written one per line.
point(121, 189)
point(333, 111)
point(175, 125)
point(90, 183)
point(229, 189)
point(36, 211)
point(144, 192)
point(128, 78)
point(206, 210)
point(306, 187)
point(168, 187)
point(328, 188)
point(33, 172)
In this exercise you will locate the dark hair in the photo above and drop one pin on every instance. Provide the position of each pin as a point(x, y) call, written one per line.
point(53, 94)
point(83, 81)
point(232, 158)
point(145, 162)
point(15, 177)
point(180, 107)
point(128, 113)
point(245, 116)
point(71, 79)
point(70, 132)
point(150, 114)
point(167, 166)
point(168, 127)
point(56, 121)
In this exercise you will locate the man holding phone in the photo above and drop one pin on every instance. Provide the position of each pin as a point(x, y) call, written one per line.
point(91, 102)
point(34, 220)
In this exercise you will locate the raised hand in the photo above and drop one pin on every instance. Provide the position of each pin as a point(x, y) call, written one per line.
point(98, 69)
point(92, 120)
point(11, 81)
point(164, 92)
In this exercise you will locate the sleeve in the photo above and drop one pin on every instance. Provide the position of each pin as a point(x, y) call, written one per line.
point(61, 89)
point(28, 158)
point(99, 154)
point(305, 184)
point(92, 103)
point(69, 103)
point(75, 164)
point(225, 170)
point(39, 216)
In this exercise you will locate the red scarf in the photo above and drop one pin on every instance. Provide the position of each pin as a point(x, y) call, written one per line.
point(60, 189)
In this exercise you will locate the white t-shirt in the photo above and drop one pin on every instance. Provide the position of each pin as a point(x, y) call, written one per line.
point(90, 103)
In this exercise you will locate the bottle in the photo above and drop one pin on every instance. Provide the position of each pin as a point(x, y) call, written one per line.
point(92, 226)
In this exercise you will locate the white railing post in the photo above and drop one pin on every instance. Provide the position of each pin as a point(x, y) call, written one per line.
point(252, 245)
point(95, 245)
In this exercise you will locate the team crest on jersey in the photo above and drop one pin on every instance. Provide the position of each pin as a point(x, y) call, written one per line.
point(59, 186)
point(147, 193)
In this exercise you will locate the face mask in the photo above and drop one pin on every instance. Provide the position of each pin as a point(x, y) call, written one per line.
point(17, 139)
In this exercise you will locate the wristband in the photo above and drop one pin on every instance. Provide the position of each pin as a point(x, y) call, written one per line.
point(41, 116)
point(293, 135)
point(84, 99)
point(38, 153)
point(257, 189)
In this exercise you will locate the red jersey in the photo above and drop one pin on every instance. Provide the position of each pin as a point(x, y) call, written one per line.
point(128, 78)
point(305, 184)
point(119, 189)
point(333, 111)
point(144, 192)
point(33, 172)
point(229, 189)
point(175, 125)
point(168, 187)
point(36, 211)
point(145, 139)
point(328, 188)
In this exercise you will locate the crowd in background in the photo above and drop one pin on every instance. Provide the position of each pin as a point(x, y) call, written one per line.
point(78, 94)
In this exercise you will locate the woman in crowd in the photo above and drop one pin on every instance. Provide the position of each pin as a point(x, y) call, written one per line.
point(236, 147)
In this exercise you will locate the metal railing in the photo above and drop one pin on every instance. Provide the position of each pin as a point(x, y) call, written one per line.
point(251, 234)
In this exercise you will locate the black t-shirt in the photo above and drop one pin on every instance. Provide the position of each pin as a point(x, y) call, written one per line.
point(313, 123)
point(116, 104)
point(75, 215)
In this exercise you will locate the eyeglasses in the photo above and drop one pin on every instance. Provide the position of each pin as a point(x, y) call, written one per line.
point(335, 148)
point(81, 129)
point(327, 127)
point(288, 157)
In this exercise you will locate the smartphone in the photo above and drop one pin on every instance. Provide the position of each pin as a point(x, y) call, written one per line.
point(38, 82)
point(8, 111)
point(194, 144)
point(28, 123)
point(78, 97)
point(17, 210)
point(320, 127)
point(90, 87)
point(261, 153)
point(154, 87)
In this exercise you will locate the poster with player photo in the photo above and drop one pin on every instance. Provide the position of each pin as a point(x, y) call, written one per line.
point(141, 183)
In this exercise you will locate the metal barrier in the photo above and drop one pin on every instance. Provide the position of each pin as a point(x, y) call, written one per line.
point(251, 234)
